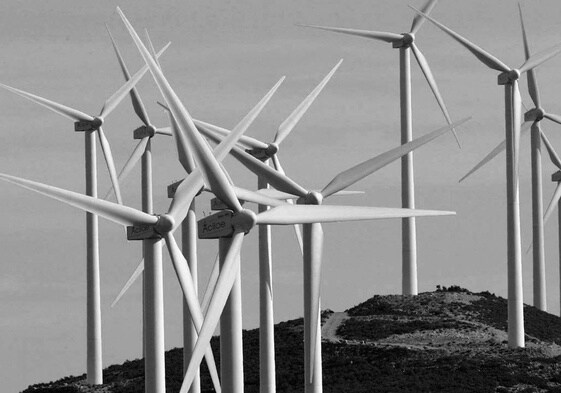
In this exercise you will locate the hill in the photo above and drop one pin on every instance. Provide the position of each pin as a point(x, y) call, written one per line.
point(450, 340)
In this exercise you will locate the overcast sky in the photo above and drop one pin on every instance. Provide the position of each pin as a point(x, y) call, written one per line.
point(224, 56)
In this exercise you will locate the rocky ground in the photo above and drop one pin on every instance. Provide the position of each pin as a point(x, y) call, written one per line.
point(449, 340)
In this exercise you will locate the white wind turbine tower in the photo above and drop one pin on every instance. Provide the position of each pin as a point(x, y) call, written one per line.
point(533, 118)
point(91, 125)
point(265, 152)
point(509, 78)
point(313, 238)
point(144, 147)
point(237, 222)
point(405, 42)
point(556, 198)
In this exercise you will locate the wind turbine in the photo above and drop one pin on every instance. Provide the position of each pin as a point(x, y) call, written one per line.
point(231, 226)
point(91, 125)
point(265, 152)
point(405, 42)
point(509, 78)
point(313, 234)
point(556, 199)
point(533, 118)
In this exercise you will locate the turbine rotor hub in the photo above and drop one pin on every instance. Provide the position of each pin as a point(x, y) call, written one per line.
point(165, 224)
point(244, 220)
point(312, 198)
point(97, 122)
point(272, 149)
point(540, 114)
point(408, 39)
point(508, 77)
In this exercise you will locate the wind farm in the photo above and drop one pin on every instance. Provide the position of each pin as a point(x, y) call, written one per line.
point(216, 71)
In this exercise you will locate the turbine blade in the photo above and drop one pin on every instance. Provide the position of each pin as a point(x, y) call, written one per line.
point(182, 145)
point(297, 229)
point(184, 195)
point(210, 169)
point(377, 35)
point(290, 122)
point(137, 272)
point(532, 81)
point(553, 203)
point(70, 113)
point(131, 162)
point(246, 141)
point(120, 214)
point(226, 280)
point(485, 57)
point(211, 284)
point(539, 58)
point(258, 167)
point(418, 20)
point(276, 194)
point(110, 164)
point(137, 104)
point(277, 164)
point(433, 86)
point(186, 282)
point(309, 214)
point(164, 131)
point(118, 96)
point(552, 117)
point(151, 48)
point(358, 172)
point(493, 153)
point(256, 197)
point(551, 151)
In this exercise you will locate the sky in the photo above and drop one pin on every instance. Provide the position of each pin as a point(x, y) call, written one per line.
point(224, 57)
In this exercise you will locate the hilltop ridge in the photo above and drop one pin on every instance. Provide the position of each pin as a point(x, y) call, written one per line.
point(450, 340)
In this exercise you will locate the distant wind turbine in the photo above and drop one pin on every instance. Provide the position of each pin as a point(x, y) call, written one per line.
point(556, 198)
point(509, 78)
point(405, 42)
point(91, 125)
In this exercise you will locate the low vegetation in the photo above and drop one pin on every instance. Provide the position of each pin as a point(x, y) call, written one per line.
point(450, 340)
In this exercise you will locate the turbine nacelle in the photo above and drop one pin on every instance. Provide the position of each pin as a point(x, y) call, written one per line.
point(225, 223)
point(143, 132)
point(165, 224)
point(88, 125)
point(266, 153)
point(157, 231)
point(405, 42)
point(217, 204)
point(536, 114)
point(508, 77)
point(312, 198)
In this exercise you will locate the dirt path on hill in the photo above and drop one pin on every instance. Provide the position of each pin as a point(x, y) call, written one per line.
point(329, 328)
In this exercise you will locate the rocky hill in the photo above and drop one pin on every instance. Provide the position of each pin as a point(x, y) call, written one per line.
point(450, 340)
